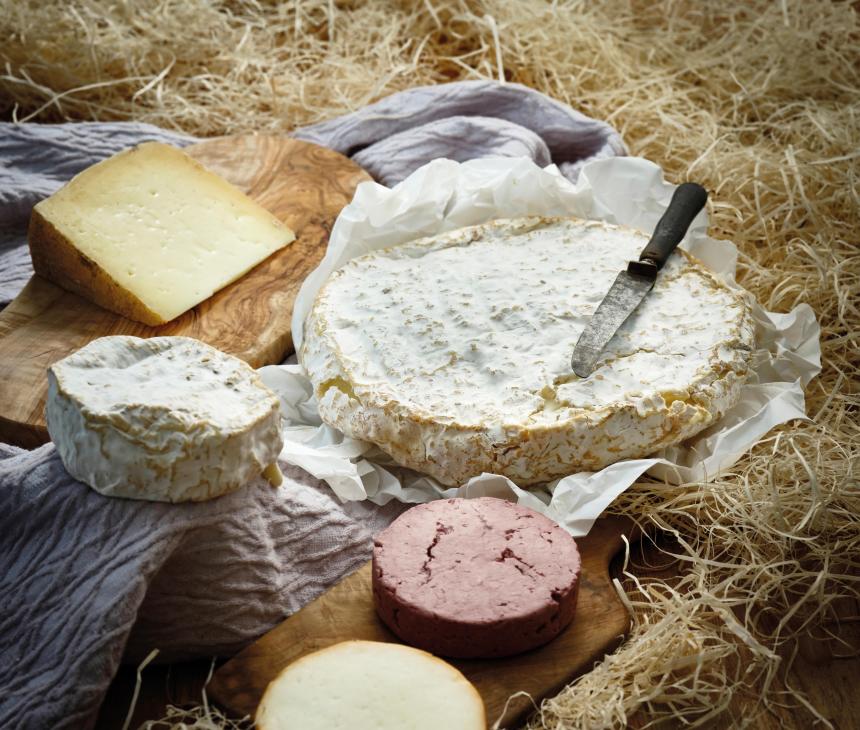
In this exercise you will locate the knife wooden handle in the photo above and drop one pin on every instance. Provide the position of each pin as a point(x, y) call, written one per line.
point(687, 201)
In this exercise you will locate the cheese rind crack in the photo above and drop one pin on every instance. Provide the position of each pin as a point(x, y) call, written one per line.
point(475, 578)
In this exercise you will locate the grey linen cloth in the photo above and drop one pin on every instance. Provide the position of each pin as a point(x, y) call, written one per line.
point(88, 581)
point(462, 121)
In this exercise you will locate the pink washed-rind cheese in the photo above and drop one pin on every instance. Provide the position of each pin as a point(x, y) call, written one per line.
point(475, 578)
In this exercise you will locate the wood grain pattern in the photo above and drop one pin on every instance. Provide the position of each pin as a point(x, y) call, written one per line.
point(303, 184)
point(830, 682)
point(346, 612)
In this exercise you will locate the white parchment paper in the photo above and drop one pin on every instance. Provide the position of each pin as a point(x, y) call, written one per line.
point(444, 195)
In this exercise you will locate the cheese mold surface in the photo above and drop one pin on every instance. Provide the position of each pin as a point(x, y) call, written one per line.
point(149, 233)
point(370, 685)
point(475, 578)
point(452, 353)
point(166, 419)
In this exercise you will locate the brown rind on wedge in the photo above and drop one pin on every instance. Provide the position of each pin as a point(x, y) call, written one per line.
point(57, 260)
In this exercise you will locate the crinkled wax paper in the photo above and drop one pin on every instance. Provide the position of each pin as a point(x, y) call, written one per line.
point(444, 195)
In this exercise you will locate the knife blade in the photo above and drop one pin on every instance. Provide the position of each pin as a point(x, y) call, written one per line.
point(631, 286)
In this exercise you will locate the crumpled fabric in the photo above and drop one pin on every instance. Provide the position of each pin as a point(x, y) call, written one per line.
point(88, 581)
point(463, 121)
point(86, 578)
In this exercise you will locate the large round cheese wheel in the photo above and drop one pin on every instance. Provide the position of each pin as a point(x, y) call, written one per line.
point(475, 578)
point(452, 353)
point(167, 418)
point(369, 685)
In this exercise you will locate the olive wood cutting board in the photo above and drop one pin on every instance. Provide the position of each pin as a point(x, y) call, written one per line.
point(346, 611)
point(304, 185)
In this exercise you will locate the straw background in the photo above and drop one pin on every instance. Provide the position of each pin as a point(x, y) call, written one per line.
point(759, 101)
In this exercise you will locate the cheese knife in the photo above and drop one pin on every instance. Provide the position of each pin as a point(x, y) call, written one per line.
point(631, 286)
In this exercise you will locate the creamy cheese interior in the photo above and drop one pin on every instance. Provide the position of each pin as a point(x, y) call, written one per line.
point(480, 331)
point(359, 685)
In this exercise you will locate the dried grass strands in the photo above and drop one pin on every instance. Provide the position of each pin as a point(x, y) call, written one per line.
point(200, 717)
point(204, 67)
point(760, 101)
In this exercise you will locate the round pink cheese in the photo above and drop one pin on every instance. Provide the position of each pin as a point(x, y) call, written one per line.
point(475, 578)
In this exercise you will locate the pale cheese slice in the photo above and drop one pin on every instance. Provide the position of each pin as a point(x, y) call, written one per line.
point(149, 233)
point(452, 353)
point(167, 419)
point(369, 685)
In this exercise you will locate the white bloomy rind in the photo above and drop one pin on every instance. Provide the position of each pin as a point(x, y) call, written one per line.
point(166, 419)
point(359, 685)
point(452, 353)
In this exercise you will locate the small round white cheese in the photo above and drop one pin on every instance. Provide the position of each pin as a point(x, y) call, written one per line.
point(452, 353)
point(167, 419)
point(369, 685)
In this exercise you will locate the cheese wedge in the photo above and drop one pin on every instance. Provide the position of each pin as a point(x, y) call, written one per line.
point(452, 353)
point(149, 233)
point(369, 685)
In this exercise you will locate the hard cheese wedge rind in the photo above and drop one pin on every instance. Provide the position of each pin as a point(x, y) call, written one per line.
point(150, 233)
point(369, 685)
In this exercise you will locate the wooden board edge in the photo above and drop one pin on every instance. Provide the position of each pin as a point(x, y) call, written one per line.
point(608, 534)
point(23, 435)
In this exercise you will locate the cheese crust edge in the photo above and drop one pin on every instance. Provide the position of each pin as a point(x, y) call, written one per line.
point(56, 259)
point(130, 467)
point(528, 454)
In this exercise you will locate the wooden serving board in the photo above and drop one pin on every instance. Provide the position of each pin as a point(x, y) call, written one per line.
point(303, 184)
point(346, 612)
